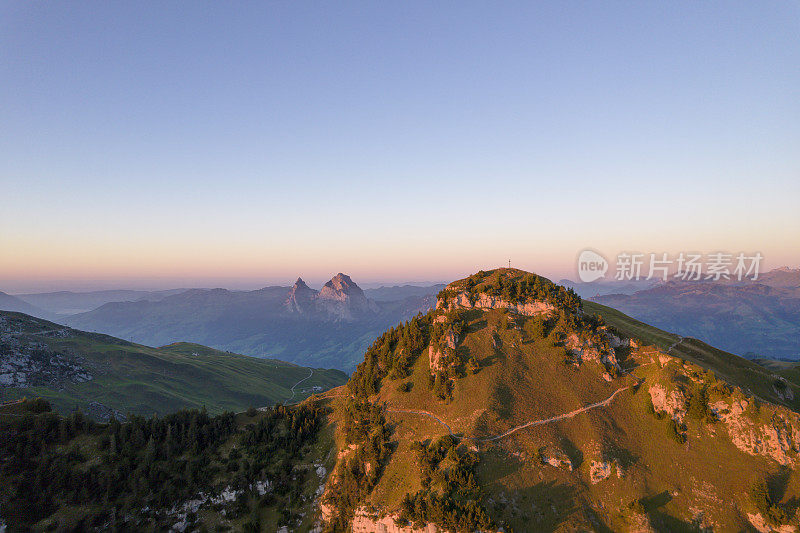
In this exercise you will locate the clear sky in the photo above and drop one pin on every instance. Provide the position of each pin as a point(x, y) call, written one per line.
point(245, 143)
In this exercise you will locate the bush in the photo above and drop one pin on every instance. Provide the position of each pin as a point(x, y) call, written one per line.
point(37, 405)
point(675, 433)
point(252, 411)
point(534, 328)
point(442, 387)
point(405, 386)
point(652, 409)
point(698, 406)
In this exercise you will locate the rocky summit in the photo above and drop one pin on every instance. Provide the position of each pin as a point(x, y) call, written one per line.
point(516, 406)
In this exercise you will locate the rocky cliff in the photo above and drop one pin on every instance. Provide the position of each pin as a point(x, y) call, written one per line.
point(463, 300)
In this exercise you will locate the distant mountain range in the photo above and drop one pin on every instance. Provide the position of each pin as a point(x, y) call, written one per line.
point(603, 287)
point(15, 303)
point(330, 327)
point(70, 303)
point(339, 299)
point(751, 318)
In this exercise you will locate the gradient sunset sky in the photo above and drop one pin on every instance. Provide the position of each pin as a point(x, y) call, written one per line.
point(243, 144)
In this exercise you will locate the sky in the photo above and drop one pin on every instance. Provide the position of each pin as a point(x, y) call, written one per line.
point(165, 144)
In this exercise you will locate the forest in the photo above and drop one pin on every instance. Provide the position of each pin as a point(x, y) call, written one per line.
point(71, 473)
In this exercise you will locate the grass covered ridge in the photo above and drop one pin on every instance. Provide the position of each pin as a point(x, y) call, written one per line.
point(131, 378)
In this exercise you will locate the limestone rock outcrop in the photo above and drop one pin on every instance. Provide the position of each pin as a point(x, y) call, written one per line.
point(462, 300)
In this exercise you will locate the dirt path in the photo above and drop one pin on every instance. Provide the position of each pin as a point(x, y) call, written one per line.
point(429, 415)
point(559, 417)
point(674, 344)
point(47, 332)
point(565, 416)
point(298, 383)
point(8, 404)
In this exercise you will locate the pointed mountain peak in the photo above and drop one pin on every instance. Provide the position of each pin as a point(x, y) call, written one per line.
point(345, 295)
point(300, 296)
point(300, 287)
point(300, 284)
point(342, 282)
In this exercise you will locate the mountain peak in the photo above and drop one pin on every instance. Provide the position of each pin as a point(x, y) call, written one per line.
point(504, 378)
point(300, 297)
point(342, 282)
point(342, 297)
point(510, 288)
point(341, 287)
point(300, 284)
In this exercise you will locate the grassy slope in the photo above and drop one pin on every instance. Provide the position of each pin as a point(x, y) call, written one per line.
point(507, 391)
point(736, 370)
point(139, 379)
point(522, 381)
